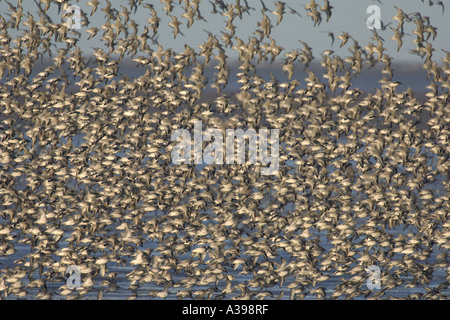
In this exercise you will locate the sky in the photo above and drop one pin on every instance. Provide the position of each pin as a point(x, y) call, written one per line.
point(347, 16)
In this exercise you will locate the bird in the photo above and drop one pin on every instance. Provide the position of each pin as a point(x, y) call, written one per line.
point(344, 38)
point(189, 14)
point(108, 10)
point(175, 24)
point(331, 35)
point(401, 17)
point(293, 11)
point(264, 8)
point(92, 31)
point(327, 9)
point(265, 25)
point(168, 6)
point(314, 14)
point(397, 37)
point(94, 4)
point(280, 11)
point(440, 3)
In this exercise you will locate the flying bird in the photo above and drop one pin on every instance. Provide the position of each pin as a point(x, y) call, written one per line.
point(175, 24)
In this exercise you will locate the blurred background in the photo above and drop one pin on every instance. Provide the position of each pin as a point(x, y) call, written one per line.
point(347, 16)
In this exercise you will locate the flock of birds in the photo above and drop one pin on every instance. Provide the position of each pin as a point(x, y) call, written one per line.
point(87, 178)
